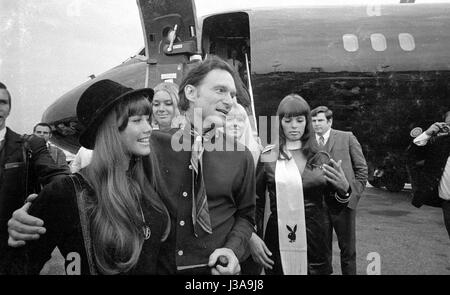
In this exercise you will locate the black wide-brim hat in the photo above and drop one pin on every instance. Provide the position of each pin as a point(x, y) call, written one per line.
point(96, 101)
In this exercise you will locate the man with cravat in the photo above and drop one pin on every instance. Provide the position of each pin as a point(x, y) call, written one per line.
point(210, 188)
point(206, 179)
point(25, 165)
point(342, 146)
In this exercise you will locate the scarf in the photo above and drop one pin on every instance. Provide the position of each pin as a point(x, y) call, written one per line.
point(291, 215)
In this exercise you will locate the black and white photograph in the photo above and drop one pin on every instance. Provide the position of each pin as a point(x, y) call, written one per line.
point(251, 138)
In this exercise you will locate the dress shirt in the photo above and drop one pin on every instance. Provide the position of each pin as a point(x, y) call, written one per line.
point(444, 184)
point(326, 135)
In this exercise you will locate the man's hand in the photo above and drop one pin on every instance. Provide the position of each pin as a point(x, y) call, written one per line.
point(225, 256)
point(436, 128)
point(335, 175)
point(260, 252)
point(23, 227)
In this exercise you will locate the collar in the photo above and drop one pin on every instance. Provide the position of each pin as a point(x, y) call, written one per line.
point(289, 146)
point(2, 134)
point(207, 133)
point(293, 145)
point(326, 135)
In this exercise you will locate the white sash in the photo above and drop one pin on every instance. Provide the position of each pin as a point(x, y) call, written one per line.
point(291, 217)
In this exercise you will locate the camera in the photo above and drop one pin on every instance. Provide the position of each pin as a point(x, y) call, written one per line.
point(444, 129)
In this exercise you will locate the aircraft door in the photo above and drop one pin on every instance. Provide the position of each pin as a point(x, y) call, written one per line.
point(170, 34)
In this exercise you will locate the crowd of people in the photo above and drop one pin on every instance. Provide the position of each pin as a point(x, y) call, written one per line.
point(134, 202)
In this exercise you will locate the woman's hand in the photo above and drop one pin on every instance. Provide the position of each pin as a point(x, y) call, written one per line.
point(260, 252)
point(335, 175)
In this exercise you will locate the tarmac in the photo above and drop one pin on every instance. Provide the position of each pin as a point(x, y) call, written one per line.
point(393, 238)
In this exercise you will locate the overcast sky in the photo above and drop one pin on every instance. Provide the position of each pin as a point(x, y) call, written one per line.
point(48, 47)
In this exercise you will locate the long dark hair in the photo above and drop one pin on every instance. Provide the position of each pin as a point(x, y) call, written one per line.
point(115, 212)
point(294, 105)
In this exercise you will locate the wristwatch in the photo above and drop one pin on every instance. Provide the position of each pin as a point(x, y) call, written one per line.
point(345, 198)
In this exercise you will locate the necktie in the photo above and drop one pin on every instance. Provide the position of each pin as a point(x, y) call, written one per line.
point(321, 141)
point(1, 144)
point(200, 210)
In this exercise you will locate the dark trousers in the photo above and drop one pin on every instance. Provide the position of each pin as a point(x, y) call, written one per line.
point(250, 267)
point(344, 226)
point(315, 235)
point(446, 212)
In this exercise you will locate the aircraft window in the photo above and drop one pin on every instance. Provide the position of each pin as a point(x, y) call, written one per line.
point(350, 42)
point(378, 42)
point(406, 41)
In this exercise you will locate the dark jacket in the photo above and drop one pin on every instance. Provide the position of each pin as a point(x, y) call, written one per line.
point(13, 187)
point(57, 205)
point(58, 156)
point(315, 191)
point(230, 187)
point(426, 165)
point(344, 146)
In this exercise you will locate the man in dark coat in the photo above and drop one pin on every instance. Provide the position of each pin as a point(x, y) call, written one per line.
point(429, 167)
point(207, 93)
point(25, 165)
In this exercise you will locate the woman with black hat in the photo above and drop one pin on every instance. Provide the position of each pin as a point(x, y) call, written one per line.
point(106, 219)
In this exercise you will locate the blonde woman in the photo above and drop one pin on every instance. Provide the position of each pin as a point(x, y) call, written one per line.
point(165, 112)
point(237, 125)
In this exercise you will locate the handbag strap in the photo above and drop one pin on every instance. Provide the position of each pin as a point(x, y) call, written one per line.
point(84, 221)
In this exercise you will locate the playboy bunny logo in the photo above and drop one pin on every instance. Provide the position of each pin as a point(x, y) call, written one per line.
point(291, 234)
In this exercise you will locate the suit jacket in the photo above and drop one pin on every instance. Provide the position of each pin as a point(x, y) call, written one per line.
point(13, 192)
point(58, 156)
point(426, 165)
point(344, 146)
